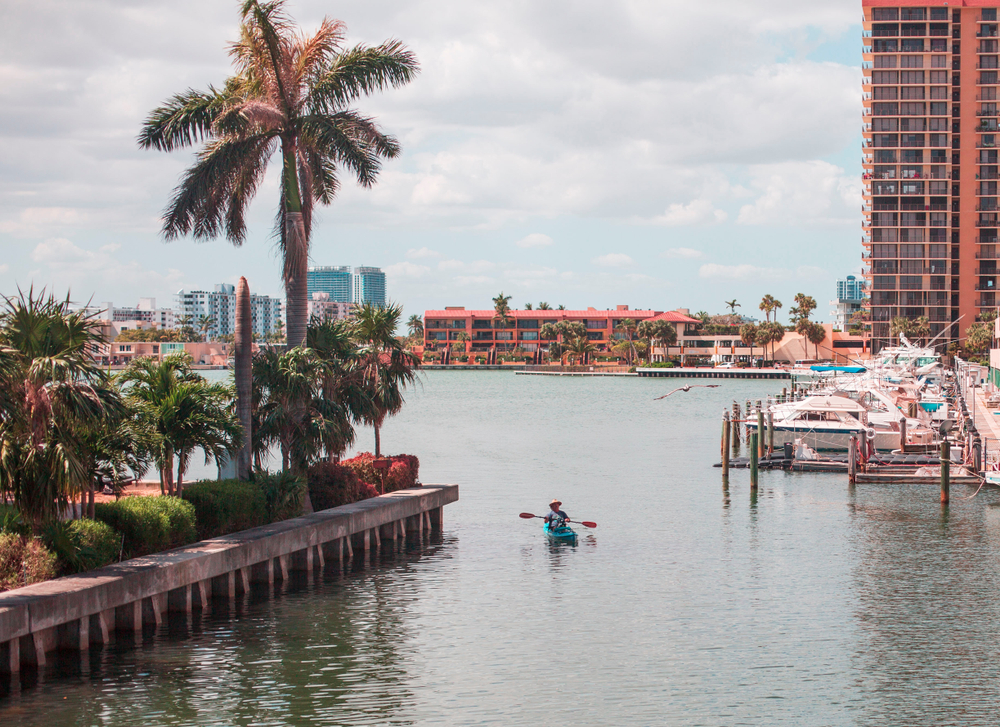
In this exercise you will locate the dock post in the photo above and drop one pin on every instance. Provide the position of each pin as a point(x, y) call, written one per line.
point(902, 435)
point(760, 431)
point(736, 429)
point(784, 394)
point(863, 446)
point(852, 461)
point(746, 417)
point(754, 444)
point(770, 433)
point(725, 448)
point(945, 471)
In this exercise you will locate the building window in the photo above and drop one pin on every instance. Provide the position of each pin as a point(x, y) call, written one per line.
point(603, 323)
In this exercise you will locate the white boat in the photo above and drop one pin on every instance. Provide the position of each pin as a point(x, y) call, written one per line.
point(827, 422)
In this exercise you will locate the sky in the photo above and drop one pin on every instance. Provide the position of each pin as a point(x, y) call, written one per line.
point(650, 153)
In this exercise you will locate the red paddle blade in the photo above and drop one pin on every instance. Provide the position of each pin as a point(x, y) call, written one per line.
point(588, 524)
point(526, 515)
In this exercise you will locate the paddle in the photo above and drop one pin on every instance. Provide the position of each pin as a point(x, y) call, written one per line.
point(585, 523)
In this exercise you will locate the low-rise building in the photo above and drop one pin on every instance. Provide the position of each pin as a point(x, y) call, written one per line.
point(218, 309)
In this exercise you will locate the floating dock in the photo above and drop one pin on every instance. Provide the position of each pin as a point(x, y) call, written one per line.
point(698, 373)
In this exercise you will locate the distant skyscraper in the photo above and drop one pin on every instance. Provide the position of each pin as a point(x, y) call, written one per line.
point(369, 286)
point(850, 300)
point(332, 280)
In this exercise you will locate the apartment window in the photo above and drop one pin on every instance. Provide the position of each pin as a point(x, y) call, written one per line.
point(885, 188)
point(886, 93)
point(911, 267)
point(885, 140)
point(912, 219)
point(885, 124)
point(885, 219)
point(886, 234)
point(603, 323)
point(911, 251)
point(912, 140)
point(884, 267)
point(911, 76)
point(887, 61)
point(884, 156)
point(529, 336)
point(885, 77)
point(938, 77)
point(911, 282)
point(912, 14)
point(916, 46)
point(939, 62)
point(884, 172)
point(938, 140)
point(884, 251)
point(884, 282)
point(939, 109)
point(939, 219)
point(939, 92)
point(911, 235)
point(885, 109)
point(913, 109)
point(913, 124)
point(988, 62)
point(911, 156)
point(914, 93)
point(911, 61)
point(885, 13)
point(885, 30)
point(937, 124)
point(939, 14)
point(988, 77)
point(989, 14)
point(528, 323)
point(885, 46)
point(482, 324)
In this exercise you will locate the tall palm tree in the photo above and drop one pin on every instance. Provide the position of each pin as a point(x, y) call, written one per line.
point(289, 94)
point(53, 398)
point(748, 335)
point(660, 333)
point(544, 306)
point(415, 324)
point(580, 347)
point(732, 305)
point(626, 329)
point(386, 367)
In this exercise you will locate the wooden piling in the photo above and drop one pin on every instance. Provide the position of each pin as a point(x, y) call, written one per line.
point(725, 447)
point(770, 433)
point(760, 431)
point(754, 444)
point(945, 471)
point(863, 446)
point(902, 435)
point(852, 461)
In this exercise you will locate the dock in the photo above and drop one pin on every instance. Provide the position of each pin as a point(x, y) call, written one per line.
point(716, 373)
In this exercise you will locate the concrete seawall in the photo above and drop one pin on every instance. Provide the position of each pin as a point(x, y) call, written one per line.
point(77, 612)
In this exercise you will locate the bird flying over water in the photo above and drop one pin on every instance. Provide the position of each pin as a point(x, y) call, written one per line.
point(688, 388)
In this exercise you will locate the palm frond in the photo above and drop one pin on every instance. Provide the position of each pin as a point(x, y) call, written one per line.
point(313, 53)
point(361, 71)
point(183, 120)
point(349, 139)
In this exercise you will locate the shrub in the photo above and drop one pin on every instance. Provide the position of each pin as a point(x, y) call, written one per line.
point(401, 475)
point(332, 485)
point(149, 524)
point(12, 522)
point(100, 544)
point(226, 506)
point(23, 561)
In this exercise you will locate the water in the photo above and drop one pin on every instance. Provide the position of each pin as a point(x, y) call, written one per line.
point(688, 605)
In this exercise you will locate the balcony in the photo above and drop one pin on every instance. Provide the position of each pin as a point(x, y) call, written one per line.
point(987, 256)
point(988, 301)
point(986, 271)
point(988, 112)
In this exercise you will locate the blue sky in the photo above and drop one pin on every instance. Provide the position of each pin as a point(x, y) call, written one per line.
point(633, 152)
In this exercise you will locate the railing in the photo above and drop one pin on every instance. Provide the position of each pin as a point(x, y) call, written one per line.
point(987, 271)
point(987, 256)
point(989, 302)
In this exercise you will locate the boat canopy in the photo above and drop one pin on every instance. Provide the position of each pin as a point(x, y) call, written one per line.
point(839, 369)
point(829, 403)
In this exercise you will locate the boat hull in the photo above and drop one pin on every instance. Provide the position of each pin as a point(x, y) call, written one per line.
point(564, 534)
point(835, 440)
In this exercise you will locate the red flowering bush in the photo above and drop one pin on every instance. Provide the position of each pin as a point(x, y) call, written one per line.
point(332, 485)
point(401, 475)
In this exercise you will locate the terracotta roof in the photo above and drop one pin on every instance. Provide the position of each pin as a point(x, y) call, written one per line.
point(555, 314)
point(673, 316)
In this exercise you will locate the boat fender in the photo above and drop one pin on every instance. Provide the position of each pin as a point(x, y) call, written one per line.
point(871, 434)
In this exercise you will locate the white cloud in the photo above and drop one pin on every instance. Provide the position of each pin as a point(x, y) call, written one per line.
point(693, 213)
point(685, 253)
point(406, 269)
point(535, 239)
point(613, 260)
point(477, 266)
point(66, 263)
point(742, 272)
point(812, 193)
point(423, 252)
point(4, 267)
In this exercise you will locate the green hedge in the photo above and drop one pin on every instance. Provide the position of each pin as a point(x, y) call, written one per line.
point(150, 524)
point(226, 506)
point(284, 492)
point(332, 485)
point(100, 544)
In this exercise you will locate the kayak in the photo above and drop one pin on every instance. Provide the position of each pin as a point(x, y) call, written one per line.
point(564, 534)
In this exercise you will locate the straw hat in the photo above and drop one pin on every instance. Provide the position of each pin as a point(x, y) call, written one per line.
point(555, 502)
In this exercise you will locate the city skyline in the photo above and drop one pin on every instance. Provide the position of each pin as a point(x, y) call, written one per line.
point(632, 159)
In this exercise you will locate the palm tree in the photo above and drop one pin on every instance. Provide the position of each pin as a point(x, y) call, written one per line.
point(290, 93)
point(544, 306)
point(460, 342)
point(386, 367)
point(660, 333)
point(416, 326)
point(732, 305)
point(182, 411)
point(580, 347)
point(54, 402)
point(205, 324)
point(748, 334)
point(560, 307)
point(803, 308)
point(816, 334)
point(768, 304)
point(186, 324)
point(626, 329)
point(333, 344)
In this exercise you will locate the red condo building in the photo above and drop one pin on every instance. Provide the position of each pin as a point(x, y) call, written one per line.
point(930, 162)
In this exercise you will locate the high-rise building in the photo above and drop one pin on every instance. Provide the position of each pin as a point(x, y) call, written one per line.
point(218, 309)
point(368, 286)
point(930, 162)
point(335, 281)
point(850, 299)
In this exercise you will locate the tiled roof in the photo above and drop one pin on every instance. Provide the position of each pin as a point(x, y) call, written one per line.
point(672, 316)
point(555, 314)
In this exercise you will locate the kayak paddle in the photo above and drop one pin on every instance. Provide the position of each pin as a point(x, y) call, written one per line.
point(585, 523)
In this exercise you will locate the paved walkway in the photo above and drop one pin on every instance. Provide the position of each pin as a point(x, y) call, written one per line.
point(987, 421)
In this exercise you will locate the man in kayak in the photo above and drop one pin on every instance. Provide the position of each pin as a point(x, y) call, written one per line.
point(555, 517)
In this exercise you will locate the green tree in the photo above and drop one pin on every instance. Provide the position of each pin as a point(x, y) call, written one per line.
point(803, 308)
point(656, 333)
point(205, 324)
point(290, 93)
point(580, 348)
point(978, 337)
point(415, 324)
point(386, 367)
point(732, 305)
point(748, 335)
point(560, 307)
point(54, 401)
point(626, 330)
point(527, 306)
point(816, 334)
point(182, 412)
point(186, 327)
point(544, 306)
point(769, 304)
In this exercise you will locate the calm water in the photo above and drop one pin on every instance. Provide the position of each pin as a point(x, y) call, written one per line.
point(689, 605)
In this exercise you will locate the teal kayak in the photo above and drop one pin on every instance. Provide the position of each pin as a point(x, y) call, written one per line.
point(565, 534)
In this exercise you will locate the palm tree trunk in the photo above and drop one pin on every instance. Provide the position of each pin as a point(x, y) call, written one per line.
point(168, 468)
point(180, 474)
point(378, 450)
point(296, 253)
point(243, 375)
